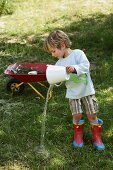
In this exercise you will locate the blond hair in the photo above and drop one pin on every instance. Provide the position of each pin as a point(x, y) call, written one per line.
point(55, 40)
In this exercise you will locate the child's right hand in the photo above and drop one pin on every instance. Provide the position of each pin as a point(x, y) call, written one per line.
point(70, 69)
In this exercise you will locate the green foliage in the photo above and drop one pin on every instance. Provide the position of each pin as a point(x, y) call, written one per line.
point(6, 7)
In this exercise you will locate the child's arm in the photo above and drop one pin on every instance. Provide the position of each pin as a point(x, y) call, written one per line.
point(82, 65)
point(70, 69)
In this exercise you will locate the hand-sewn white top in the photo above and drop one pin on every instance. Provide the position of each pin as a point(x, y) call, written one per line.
point(80, 84)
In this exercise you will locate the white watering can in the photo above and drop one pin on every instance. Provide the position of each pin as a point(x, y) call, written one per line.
point(56, 74)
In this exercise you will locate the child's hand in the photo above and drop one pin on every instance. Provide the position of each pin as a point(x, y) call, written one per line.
point(70, 69)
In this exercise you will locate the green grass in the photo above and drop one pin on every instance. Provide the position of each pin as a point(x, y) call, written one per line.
point(89, 25)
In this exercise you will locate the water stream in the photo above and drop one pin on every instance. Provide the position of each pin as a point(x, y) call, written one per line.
point(42, 149)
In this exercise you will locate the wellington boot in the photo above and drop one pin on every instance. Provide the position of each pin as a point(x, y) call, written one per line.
point(96, 132)
point(78, 134)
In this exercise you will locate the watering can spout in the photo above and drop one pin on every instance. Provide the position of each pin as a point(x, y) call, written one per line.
point(56, 74)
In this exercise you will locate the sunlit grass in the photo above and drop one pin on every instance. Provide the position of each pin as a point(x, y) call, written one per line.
point(15, 166)
point(37, 16)
point(106, 95)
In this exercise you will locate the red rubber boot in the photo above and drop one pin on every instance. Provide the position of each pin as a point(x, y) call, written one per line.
point(78, 134)
point(96, 132)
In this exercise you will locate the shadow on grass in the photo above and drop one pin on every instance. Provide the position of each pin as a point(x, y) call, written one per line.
point(20, 117)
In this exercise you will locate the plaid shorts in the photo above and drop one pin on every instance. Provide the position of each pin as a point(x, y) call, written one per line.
point(89, 103)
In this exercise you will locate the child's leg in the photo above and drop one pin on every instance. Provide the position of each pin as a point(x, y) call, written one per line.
point(75, 107)
point(78, 124)
point(92, 117)
point(96, 124)
point(77, 118)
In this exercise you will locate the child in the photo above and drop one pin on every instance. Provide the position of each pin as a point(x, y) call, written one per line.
point(80, 90)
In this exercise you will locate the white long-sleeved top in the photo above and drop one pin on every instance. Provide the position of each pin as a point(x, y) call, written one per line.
point(78, 89)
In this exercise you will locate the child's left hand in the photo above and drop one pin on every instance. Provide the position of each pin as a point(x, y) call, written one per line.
point(70, 69)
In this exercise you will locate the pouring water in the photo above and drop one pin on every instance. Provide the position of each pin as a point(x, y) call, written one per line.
point(54, 74)
point(41, 149)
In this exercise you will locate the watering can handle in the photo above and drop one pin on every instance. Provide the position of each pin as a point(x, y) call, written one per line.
point(57, 85)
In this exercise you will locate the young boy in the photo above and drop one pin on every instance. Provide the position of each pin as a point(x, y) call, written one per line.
point(80, 90)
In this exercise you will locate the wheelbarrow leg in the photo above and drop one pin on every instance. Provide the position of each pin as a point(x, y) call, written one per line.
point(36, 90)
point(50, 95)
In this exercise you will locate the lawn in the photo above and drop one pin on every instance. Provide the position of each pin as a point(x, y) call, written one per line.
point(89, 24)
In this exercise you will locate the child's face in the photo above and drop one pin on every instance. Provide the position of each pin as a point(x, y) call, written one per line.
point(57, 53)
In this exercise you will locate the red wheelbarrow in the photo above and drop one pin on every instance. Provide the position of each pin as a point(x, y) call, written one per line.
point(26, 74)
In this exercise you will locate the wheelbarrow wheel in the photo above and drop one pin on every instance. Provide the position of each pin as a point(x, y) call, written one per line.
point(15, 86)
